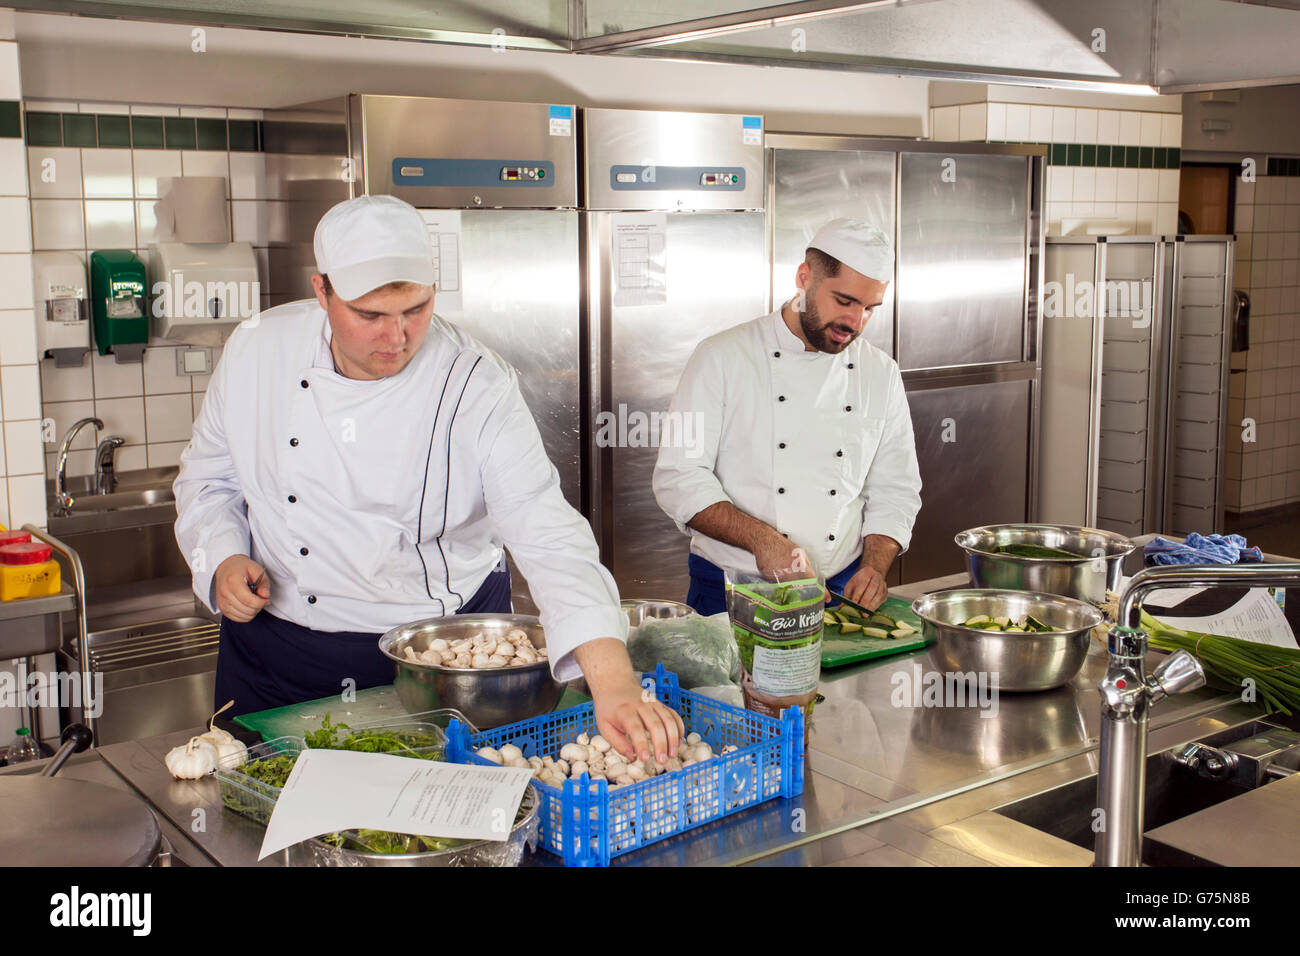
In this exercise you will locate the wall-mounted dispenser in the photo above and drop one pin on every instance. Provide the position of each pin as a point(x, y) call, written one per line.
point(204, 290)
point(118, 295)
point(62, 310)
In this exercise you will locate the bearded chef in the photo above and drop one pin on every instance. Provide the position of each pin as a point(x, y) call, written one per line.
point(807, 450)
point(359, 463)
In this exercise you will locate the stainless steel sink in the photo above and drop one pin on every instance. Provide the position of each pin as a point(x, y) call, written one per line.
point(140, 498)
point(1173, 791)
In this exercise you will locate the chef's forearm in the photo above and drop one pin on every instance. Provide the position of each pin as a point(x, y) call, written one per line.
point(605, 664)
point(725, 522)
point(879, 551)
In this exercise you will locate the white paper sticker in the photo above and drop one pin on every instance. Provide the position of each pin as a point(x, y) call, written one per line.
point(444, 236)
point(787, 672)
point(333, 790)
point(640, 258)
point(561, 127)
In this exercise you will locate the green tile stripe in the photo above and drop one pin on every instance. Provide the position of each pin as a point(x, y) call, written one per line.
point(1090, 155)
point(119, 131)
point(11, 119)
point(1284, 166)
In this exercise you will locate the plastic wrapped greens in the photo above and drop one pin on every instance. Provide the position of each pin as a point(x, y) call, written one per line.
point(701, 651)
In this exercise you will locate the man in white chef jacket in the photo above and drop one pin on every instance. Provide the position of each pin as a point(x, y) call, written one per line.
point(358, 464)
point(806, 441)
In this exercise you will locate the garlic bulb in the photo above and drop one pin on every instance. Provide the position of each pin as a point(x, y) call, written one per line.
point(192, 760)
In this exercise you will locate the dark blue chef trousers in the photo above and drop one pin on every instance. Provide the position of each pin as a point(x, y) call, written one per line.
point(271, 662)
point(708, 593)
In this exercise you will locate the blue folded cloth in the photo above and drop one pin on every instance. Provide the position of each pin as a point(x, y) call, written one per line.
point(1202, 549)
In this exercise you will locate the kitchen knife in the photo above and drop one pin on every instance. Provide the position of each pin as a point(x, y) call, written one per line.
point(841, 597)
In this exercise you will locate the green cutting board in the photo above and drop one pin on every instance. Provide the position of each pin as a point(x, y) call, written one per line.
point(374, 703)
point(839, 649)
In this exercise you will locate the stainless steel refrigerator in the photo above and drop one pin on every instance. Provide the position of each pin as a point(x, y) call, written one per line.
point(498, 186)
point(675, 250)
point(1136, 346)
point(962, 318)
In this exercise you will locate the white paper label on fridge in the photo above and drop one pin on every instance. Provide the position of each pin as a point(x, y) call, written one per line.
point(444, 236)
point(752, 130)
point(332, 790)
point(561, 120)
point(640, 246)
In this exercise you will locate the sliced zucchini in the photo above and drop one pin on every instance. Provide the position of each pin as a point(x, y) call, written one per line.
point(1034, 624)
point(900, 632)
point(831, 620)
point(1002, 622)
point(904, 626)
point(868, 631)
point(883, 620)
point(1011, 628)
point(845, 611)
point(976, 621)
point(848, 627)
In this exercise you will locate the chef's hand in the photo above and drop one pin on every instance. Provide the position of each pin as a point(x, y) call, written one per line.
point(234, 581)
point(776, 556)
point(627, 715)
point(867, 588)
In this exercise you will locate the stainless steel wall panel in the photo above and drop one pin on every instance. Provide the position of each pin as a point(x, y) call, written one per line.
point(644, 350)
point(972, 445)
point(658, 142)
point(814, 186)
point(961, 259)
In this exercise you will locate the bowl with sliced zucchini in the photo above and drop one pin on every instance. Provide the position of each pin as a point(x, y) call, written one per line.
point(1023, 640)
point(1074, 561)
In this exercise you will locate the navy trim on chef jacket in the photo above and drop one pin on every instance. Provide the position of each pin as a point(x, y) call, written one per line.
point(270, 662)
point(708, 594)
point(447, 486)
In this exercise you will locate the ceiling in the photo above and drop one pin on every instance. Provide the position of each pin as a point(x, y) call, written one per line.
point(1170, 46)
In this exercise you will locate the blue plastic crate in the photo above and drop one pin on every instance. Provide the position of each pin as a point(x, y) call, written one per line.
point(587, 823)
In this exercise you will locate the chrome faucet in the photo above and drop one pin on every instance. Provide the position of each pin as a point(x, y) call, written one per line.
point(61, 476)
point(105, 478)
point(1127, 693)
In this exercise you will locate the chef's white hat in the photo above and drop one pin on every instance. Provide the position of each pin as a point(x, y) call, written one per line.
point(859, 245)
point(370, 241)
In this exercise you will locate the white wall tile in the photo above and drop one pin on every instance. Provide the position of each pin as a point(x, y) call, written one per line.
point(4, 504)
point(277, 220)
point(1085, 186)
point(1130, 127)
point(1148, 185)
point(1245, 218)
point(114, 380)
point(165, 454)
point(15, 281)
point(1145, 224)
point(248, 176)
point(1040, 124)
point(64, 415)
point(147, 110)
point(1171, 129)
point(146, 223)
point(53, 172)
point(160, 376)
point(945, 123)
point(132, 458)
point(168, 418)
point(1167, 188)
point(16, 236)
point(11, 87)
point(1167, 218)
point(123, 417)
point(27, 501)
point(110, 224)
point(244, 113)
point(24, 454)
point(1060, 184)
point(1085, 126)
point(250, 223)
point(106, 173)
point(1106, 185)
point(78, 463)
point(13, 167)
point(50, 106)
point(208, 112)
point(973, 122)
point(1126, 185)
point(150, 165)
point(1293, 190)
point(1063, 124)
point(21, 388)
point(1245, 192)
point(58, 224)
point(1017, 122)
point(997, 121)
point(6, 30)
point(1149, 130)
point(114, 109)
point(1108, 126)
point(205, 163)
point(17, 337)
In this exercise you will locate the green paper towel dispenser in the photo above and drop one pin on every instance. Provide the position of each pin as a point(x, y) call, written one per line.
point(117, 303)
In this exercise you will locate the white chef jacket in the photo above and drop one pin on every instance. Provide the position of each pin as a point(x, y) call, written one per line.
point(373, 504)
point(819, 446)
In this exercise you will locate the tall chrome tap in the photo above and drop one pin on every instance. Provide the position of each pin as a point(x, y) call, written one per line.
point(1127, 693)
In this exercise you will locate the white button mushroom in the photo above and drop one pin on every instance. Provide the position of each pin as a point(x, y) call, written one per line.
point(578, 768)
point(600, 743)
point(481, 660)
point(693, 739)
point(496, 660)
point(573, 752)
point(584, 739)
point(510, 752)
point(490, 753)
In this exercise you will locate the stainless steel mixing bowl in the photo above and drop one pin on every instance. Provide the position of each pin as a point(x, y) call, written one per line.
point(490, 696)
point(1098, 568)
point(640, 610)
point(1015, 661)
